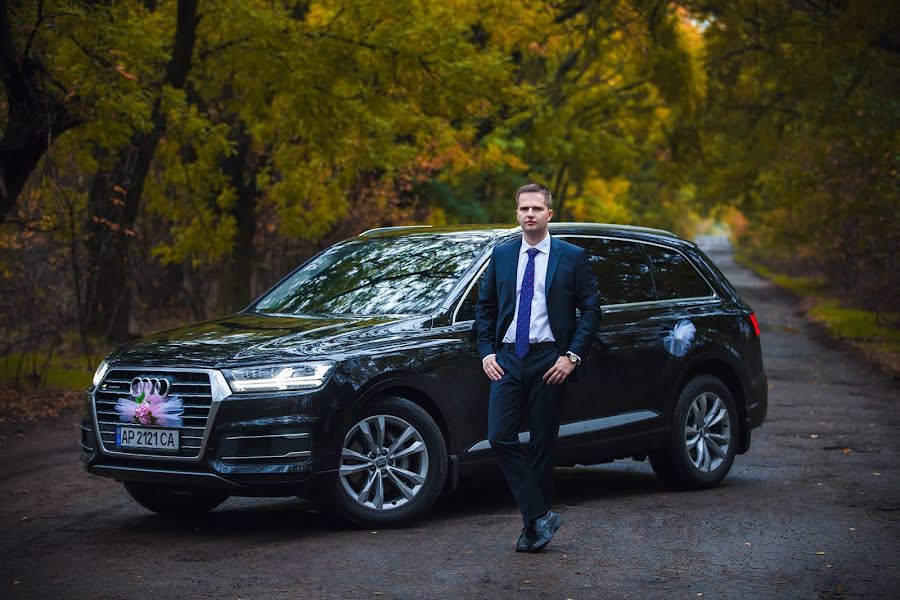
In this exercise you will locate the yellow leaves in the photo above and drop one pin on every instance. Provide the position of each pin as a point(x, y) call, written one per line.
point(496, 157)
point(603, 201)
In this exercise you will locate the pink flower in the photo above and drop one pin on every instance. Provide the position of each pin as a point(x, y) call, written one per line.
point(142, 413)
point(164, 411)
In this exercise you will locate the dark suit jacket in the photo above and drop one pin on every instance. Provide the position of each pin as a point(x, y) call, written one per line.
point(570, 284)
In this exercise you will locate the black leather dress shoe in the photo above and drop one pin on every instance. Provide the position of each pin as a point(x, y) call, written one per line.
point(544, 528)
point(526, 539)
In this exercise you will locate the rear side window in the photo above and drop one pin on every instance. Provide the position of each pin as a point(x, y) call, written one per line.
point(674, 275)
point(623, 274)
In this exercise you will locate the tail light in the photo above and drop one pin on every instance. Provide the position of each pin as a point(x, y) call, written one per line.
point(755, 323)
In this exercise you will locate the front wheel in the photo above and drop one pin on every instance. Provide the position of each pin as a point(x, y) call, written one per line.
point(393, 464)
point(704, 436)
point(169, 501)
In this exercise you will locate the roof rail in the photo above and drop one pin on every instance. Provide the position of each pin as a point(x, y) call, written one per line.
point(619, 226)
point(395, 228)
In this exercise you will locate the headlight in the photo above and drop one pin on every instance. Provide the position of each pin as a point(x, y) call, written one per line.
point(274, 378)
point(100, 373)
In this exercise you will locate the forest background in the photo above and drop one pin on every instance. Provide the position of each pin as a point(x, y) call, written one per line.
point(166, 161)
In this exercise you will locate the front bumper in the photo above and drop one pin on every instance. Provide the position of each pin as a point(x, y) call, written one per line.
point(261, 444)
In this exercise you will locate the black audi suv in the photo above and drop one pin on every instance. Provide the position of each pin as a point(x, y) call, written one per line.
point(357, 378)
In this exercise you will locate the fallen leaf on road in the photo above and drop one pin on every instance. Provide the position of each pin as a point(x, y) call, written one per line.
point(527, 581)
point(22, 405)
point(846, 450)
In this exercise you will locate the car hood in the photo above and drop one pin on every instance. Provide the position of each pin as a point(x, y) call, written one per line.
point(255, 338)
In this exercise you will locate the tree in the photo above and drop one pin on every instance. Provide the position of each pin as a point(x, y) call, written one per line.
point(117, 188)
point(801, 129)
point(37, 105)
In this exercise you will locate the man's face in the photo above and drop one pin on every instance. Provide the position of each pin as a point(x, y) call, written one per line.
point(532, 213)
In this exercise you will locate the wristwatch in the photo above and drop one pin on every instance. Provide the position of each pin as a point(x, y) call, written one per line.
point(574, 358)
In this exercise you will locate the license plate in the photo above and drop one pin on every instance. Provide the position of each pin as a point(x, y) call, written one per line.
point(147, 438)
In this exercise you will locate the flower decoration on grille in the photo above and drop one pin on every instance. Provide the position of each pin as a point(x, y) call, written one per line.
point(150, 404)
point(679, 339)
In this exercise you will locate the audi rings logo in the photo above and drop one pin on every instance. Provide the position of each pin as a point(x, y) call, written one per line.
point(150, 386)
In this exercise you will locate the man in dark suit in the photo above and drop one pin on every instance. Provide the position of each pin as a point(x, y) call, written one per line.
point(530, 342)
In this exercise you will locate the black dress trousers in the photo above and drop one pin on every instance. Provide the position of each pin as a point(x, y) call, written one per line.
point(522, 392)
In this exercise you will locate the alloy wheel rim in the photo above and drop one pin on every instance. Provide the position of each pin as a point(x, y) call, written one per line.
point(707, 432)
point(384, 462)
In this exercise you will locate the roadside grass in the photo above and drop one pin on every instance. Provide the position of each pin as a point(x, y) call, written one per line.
point(34, 387)
point(33, 370)
point(877, 335)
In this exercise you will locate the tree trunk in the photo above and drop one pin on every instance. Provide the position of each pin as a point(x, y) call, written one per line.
point(115, 196)
point(235, 290)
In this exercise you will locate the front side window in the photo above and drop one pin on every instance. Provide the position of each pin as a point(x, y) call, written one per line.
point(466, 310)
point(623, 274)
point(408, 274)
point(675, 276)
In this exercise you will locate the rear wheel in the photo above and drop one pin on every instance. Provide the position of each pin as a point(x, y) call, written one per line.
point(704, 436)
point(169, 501)
point(393, 464)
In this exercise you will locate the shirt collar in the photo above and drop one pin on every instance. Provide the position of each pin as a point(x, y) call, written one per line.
point(542, 246)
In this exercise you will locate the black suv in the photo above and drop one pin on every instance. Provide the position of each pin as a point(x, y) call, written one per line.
point(357, 377)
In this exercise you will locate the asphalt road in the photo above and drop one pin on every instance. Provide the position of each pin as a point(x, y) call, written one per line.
point(810, 512)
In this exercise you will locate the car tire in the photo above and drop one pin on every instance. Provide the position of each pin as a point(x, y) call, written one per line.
point(704, 436)
point(171, 502)
point(393, 463)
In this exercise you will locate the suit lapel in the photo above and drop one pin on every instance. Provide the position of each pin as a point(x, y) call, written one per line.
point(512, 268)
point(552, 263)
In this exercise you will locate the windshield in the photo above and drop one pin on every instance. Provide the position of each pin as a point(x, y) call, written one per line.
point(409, 274)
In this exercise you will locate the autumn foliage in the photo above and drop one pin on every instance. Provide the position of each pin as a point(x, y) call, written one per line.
point(167, 160)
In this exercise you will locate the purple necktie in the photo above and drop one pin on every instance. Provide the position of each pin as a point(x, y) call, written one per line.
point(523, 323)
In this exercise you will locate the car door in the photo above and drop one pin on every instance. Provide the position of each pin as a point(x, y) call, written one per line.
point(686, 311)
point(620, 383)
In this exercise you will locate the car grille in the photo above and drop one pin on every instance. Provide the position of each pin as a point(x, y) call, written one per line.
point(193, 387)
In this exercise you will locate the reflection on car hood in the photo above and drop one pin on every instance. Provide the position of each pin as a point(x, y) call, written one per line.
point(255, 338)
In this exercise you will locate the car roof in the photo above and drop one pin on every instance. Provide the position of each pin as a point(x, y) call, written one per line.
point(496, 230)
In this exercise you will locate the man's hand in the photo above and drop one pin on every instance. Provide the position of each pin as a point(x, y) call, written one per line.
point(491, 368)
point(560, 371)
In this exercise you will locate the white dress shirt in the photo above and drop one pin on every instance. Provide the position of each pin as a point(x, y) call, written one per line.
point(540, 321)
